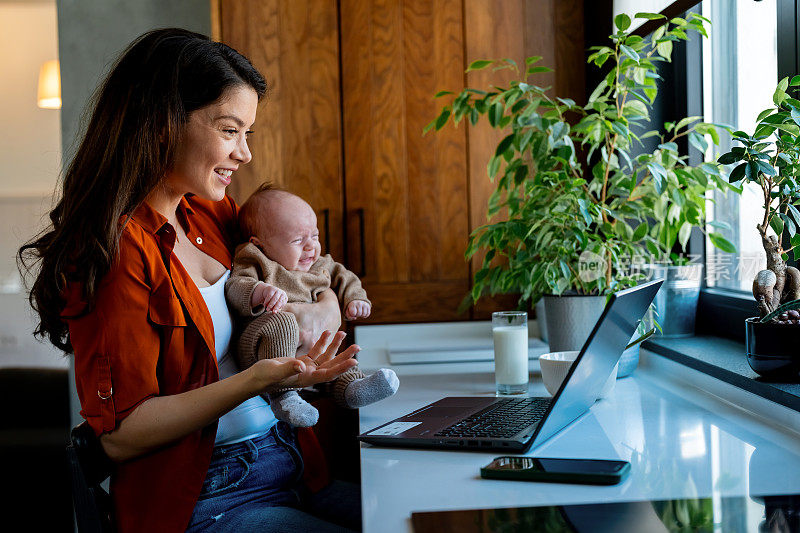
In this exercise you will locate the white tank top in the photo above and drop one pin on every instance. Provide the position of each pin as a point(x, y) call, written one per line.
point(252, 417)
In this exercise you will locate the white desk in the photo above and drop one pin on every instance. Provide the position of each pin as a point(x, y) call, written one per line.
point(681, 438)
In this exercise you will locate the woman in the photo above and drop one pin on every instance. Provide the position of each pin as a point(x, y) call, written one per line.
point(129, 281)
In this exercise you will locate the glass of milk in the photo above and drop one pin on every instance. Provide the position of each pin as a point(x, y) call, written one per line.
point(510, 331)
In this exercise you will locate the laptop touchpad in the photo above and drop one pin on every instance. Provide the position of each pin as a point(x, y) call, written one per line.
point(435, 411)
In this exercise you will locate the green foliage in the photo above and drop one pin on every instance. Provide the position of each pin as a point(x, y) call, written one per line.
point(572, 193)
point(770, 158)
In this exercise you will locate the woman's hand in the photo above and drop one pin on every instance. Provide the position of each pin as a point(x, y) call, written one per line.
point(319, 365)
point(315, 318)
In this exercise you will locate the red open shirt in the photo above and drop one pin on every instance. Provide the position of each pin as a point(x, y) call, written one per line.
point(150, 334)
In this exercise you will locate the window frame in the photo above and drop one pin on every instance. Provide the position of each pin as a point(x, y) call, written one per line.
point(722, 311)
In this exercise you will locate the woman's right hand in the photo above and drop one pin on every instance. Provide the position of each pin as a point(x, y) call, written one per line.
point(321, 364)
point(314, 318)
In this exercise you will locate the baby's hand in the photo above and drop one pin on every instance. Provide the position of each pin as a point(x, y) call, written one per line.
point(272, 298)
point(357, 309)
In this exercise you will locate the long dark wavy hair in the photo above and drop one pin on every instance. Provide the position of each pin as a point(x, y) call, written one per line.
point(127, 148)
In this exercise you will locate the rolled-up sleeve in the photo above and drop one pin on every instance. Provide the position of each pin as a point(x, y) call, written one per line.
point(116, 346)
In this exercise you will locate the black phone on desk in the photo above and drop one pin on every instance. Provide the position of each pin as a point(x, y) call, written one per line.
point(582, 471)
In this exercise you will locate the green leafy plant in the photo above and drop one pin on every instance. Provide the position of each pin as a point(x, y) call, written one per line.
point(576, 200)
point(678, 201)
point(770, 158)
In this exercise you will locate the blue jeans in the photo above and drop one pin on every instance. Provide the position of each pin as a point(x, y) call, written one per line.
point(256, 485)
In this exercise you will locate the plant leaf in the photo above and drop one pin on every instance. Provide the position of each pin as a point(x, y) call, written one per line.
point(684, 233)
point(664, 49)
point(630, 52)
point(504, 145)
point(729, 158)
point(737, 174)
point(479, 64)
point(649, 16)
point(721, 242)
point(495, 114)
point(640, 232)
point(534, 70)
point(777, 225)
point(622, 21)
point(493, 166)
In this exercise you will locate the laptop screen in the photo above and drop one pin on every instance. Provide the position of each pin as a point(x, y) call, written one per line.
point(602, 350)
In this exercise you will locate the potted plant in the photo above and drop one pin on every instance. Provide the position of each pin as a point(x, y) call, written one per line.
point(770, 158)
point(577, 200)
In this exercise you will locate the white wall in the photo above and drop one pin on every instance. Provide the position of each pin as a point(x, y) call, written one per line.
point(30, 139)
point(30, 161)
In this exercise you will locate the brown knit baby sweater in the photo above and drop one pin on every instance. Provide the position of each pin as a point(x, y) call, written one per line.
point(277, 335)
point(250, 266)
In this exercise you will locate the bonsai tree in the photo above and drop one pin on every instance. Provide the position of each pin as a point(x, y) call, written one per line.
point(770, 158)
point(579, 201)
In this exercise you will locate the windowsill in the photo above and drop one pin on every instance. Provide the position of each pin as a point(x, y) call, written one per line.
point(724, 359)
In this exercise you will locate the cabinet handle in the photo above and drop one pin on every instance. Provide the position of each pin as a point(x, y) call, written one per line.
point(326, 223)
point(360, 213)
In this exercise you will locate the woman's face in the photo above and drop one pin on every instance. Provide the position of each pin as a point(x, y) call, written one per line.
point(213, 144)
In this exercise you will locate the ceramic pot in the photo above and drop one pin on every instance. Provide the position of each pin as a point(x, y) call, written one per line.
point(541, 320)
point(772, 348)
point(570, 320)
point(676, 301)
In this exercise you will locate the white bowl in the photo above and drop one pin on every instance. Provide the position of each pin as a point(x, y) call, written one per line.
point(555, 366)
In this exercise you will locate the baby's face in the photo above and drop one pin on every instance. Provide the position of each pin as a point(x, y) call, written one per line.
point(289, 236)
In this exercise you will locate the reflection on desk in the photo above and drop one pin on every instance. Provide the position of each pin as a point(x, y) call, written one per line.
point(699, 515)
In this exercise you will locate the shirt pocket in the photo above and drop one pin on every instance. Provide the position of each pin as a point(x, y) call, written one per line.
point(165, 309)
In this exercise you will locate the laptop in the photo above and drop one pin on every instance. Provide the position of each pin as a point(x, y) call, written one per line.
point(517, 424)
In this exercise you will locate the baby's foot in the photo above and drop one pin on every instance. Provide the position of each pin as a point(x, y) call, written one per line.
point(291, 408)
point(371, 389)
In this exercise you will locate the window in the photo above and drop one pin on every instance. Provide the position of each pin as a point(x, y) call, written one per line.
point(740, 71)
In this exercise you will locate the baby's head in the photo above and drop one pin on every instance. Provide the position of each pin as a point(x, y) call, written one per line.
point(283, 226)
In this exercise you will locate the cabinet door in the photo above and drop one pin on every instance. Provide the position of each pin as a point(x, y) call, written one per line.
point(516, 29)
point(405, 194)
point(297, 135)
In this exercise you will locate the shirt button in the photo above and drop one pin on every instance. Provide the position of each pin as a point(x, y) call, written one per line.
point(199, 240)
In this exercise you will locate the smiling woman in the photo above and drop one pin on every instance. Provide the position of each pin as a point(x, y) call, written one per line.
point(140, 239)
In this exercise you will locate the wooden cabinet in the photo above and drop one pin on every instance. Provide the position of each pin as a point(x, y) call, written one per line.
point(352, 89)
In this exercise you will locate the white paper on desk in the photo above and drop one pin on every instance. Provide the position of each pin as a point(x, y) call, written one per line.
point(395, 428)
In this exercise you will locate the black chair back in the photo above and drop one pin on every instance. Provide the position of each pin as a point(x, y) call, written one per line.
point(89, 467)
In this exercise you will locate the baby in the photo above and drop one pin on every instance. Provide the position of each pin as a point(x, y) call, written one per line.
point(281, 264)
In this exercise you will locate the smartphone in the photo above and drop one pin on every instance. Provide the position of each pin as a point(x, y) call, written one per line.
point(584, 471)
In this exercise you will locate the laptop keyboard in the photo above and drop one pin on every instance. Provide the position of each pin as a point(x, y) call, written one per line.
point(502, 419)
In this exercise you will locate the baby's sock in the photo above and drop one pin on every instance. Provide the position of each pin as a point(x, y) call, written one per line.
point(289, 407)
point(371, 389)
